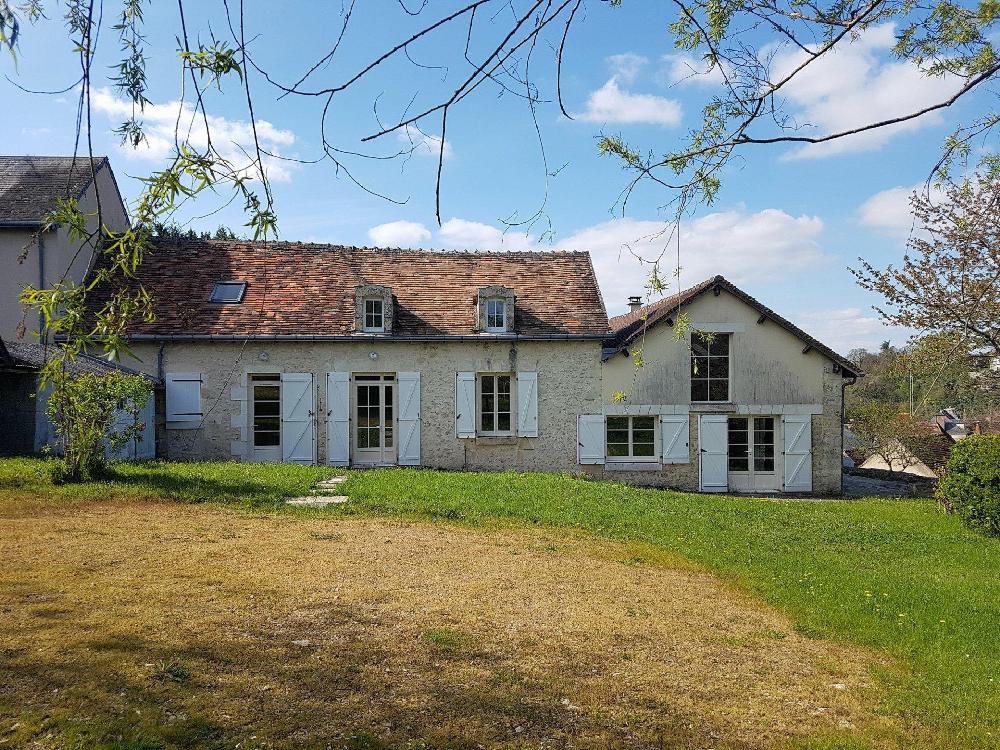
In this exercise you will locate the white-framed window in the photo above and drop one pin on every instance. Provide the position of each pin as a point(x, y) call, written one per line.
point(751, 444)
point(710, 367)
point(630, 437)
point(496, 315)
point(495, 416)
point(374, 315)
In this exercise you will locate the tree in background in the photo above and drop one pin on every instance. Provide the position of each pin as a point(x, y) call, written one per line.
point(949, 280)
point(898, 439)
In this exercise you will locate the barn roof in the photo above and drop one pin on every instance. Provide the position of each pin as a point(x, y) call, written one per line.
point(31, 185)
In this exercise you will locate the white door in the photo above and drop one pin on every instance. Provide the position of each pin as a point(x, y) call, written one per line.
point(338, 418)
point(409, 418)
point(297, 435)
point(374, 420)
point(713, 452)
point(752, 463)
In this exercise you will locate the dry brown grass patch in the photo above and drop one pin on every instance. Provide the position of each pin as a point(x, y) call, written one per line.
point(201, 626)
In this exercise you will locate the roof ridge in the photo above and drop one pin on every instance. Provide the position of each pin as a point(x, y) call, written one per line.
point(264, 244)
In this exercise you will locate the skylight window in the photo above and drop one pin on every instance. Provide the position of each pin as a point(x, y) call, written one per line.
point(228, 292)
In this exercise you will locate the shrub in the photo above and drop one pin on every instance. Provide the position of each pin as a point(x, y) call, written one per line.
point(971, 484)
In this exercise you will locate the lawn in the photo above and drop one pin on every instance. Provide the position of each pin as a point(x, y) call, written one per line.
point(889, 598)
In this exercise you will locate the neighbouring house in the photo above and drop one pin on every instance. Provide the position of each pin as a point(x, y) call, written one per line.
point(926, 453)
point(365, 357)
point(27, 428)
point(30, 187)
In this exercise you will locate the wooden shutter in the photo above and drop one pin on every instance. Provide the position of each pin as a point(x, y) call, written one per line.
point(590, 439)
point(465, 405)
point(297, 417)
point(675, 438)
point(797, 453)
point(713, 452)
point(527, 404)
point(409, 418)
point(338, 418)
point(183, 400)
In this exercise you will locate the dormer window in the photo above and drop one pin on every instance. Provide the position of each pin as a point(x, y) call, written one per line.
point(374, 315)
point(228, 292)
point(495, 309)
point(373, 311)
point(496, 316)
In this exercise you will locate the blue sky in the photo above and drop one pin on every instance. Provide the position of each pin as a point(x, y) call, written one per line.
point(786, 226)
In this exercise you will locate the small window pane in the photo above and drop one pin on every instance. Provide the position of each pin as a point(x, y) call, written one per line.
point(488, 424)
point(373, 314)
point(643, 449)
point(266, 423)
point(266, 439)
point(488, 384)
point(617, 450)
point(739, 464)
point(228, 291)
point(495, 315)
point(387, 433)
point(718, 390)
point(618, 423)
point(619, 437)
point(699, 367)
point(698, 346)
point(718, 367)
point(699, 390)
point(503, 422)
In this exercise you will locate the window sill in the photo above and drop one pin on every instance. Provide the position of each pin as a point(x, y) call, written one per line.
point(496, 440)
point(632, 466)
point(725, 406)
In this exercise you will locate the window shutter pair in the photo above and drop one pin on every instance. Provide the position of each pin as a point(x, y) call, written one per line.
point(184, 409)
point(527, 404)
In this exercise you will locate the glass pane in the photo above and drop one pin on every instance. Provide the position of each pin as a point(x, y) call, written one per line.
point(488, 400)
point(266, 439)
point(698, 346)
point(363, 396)
point(699, 390)
point(738, 451)
point(763, 464)
point(503, 422)
point(266, 423)
point(617, 450)
point(720, 344)
point(503, 402)
point(718, 367)
point(617, 423)
point(763, 423)
point(388, 437)
point(503, 383)
point(266, 392)
point(643, 449)
point(488, 421)
point(699, 367)
point(362, 437)
point(718, 390)
point(374, 395)
point(266, 408)
point(488, 383)
point(643, 423)
point(619, 437)
point(739, 464)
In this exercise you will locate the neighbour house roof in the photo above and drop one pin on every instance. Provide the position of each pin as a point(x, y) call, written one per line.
point(633, 324)
point(30, 356)
point(30, 185)
point(302, 290)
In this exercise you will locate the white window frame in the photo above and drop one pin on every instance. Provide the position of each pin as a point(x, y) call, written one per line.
point(381, 314)
point(729, 371)
point(502, 328)
point(263, 379)
point(511, 401)
point(631, 457)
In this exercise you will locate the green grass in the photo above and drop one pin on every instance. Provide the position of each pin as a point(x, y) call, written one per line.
point(258, 486)
point(895, 576)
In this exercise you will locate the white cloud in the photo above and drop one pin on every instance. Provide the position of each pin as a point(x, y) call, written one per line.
point(399, 234)
point(889, 210)
point(685, 69)
point(850, 328)
point(232, 138)
point(626, 66)
point(855, 85)
point(611, 104)
point(474, 235)
point(745, 247)
point(424, 144)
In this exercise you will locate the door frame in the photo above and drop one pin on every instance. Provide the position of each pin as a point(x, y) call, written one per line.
point(386, 456)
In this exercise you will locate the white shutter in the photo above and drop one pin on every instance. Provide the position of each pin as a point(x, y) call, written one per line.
point(675, 437)
point(465, 405)
point(713, 452)
point(183, 400)
point(527, 404)
point(590, 439)
point(338, 418)
point(409, 418)
point(797, 454)
point(297, 417)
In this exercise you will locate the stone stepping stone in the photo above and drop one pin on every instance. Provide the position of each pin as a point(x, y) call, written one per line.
point(316, 501)
point(332, 482)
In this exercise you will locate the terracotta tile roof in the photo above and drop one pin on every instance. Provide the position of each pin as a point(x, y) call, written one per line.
point(626, 328)
point(30, 185)
point(299, 289)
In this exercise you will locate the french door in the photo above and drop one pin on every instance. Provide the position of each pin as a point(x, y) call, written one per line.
point(374, 420)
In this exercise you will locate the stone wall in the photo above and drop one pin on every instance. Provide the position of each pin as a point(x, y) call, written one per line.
point(569, 384)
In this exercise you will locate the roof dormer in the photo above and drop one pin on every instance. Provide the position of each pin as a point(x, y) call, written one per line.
point(495, 309)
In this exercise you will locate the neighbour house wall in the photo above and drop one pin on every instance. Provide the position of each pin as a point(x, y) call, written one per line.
point(769, 375)
point(51, 254)
point(569, 384)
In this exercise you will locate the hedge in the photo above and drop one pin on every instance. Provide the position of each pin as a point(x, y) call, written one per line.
point(971, 484)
